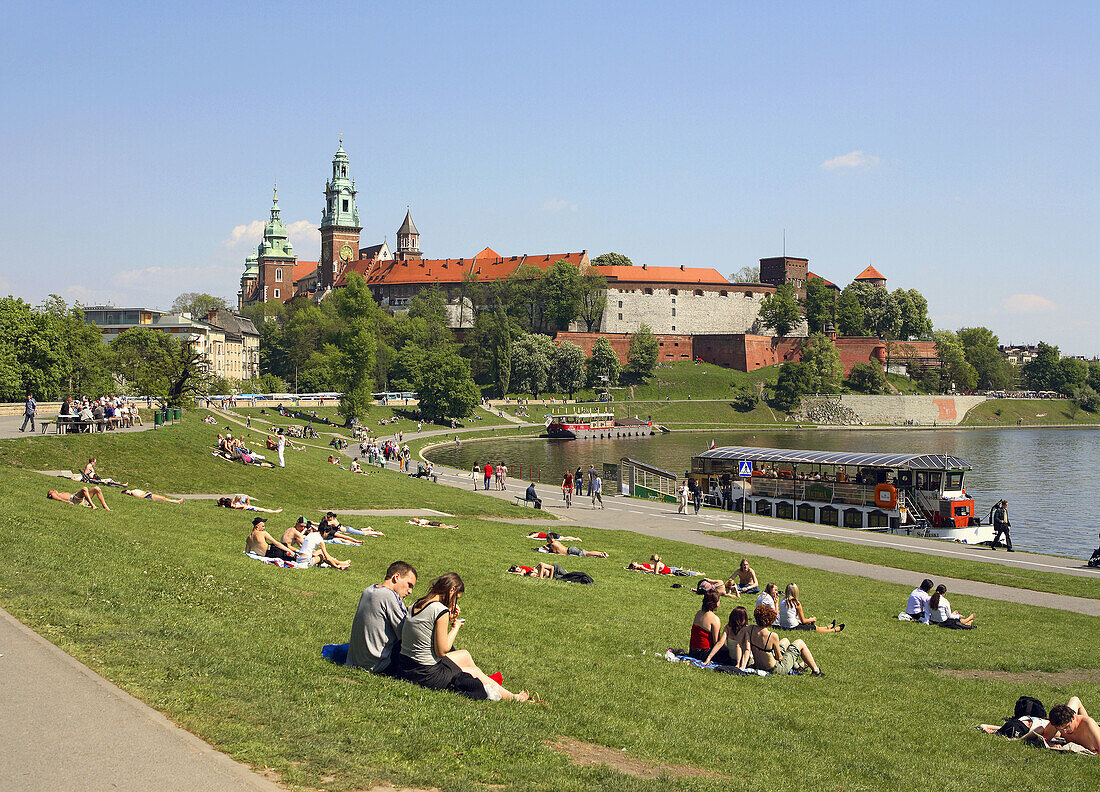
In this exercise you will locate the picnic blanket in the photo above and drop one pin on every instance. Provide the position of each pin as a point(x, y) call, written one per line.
point(279, 562)
point(1037, 740)
point(335, 653)
point(422, 522)
point(674, 656)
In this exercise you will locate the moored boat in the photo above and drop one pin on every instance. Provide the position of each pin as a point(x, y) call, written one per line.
point(903, 493)
point(589, 426)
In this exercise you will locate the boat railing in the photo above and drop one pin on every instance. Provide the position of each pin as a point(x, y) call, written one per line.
point(814, 490)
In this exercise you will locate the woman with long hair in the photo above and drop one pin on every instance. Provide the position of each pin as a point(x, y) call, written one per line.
point(940, 612)
point(768, 652)
point(792, 618)
point(428, 657)
point(705, 627)
point(730, 637)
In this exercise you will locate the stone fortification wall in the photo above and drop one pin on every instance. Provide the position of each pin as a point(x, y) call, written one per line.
point(689, 310)
point(919, 410)
point(670, 348)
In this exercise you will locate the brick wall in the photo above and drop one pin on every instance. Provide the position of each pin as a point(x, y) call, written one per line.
point(860, 350)
point(670, 348)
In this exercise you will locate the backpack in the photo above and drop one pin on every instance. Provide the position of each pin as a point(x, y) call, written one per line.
point(577, 577)
point(1028, 706)
point(1014, 728)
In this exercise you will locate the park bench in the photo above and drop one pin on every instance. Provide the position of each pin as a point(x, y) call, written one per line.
point(521, 500)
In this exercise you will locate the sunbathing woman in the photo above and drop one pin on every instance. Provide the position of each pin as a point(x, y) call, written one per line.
point(82, 498)
point(556, 547)
point(707, 585)
point(768, 652)
point(540, 571)
point(727, 650)
point(705, 627)
point(140, 493)
point(427, 655)
point(792, 618)
point(656, 566)
point(244, 503)
point(543, 535)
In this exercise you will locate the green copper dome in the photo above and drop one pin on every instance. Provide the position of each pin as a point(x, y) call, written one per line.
point(275, 241)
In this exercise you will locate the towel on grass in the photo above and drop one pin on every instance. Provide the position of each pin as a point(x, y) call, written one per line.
point(682, 657)
point(432, 523)
point(279, 562)
point(341, 541)
point(335, 653)
point(1037, 740)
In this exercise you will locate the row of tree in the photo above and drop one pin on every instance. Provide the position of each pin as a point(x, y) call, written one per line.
point(860, 310)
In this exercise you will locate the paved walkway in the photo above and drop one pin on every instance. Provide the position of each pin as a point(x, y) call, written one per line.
point(9, 428)
point(64, 727)
point(661, 520)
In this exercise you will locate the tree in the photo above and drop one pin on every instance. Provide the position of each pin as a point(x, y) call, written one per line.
point(567, 368)
point(593, 298)
point(641, 358)
point(602, 363)
point(955, 370)
point(429, 322)
point(748, 274)
point(500, 352)
point(447, 389)
point(913, 308)
point(1086, 398)
point(745, 399)
point(823, 368)
point(523, 297)
point(531, 355)
point(980, 348)
point(611, 260)
point(794, 380)
point(353, 355)
point(153, 363)
point(561, 295)
point(1094, 375)
point(849, 313)
point(882, 315)
point(867, 378)
point(198, 304)
point(779, 311)
point(1042, 372)
point(819, 305)
point(1072, 374)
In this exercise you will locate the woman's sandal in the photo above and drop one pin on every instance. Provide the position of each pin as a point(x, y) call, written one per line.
point(535, 698)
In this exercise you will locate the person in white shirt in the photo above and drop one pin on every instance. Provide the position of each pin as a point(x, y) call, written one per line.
point(917, 607)
point(770, 597)
point(940, 612)
point(281, 447)
point(313, 552)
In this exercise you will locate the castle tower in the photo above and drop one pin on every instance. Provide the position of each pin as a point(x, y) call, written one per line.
point(339, 221)
point(275, 259)
point(408, 239)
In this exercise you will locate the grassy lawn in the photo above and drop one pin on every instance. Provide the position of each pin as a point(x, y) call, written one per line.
point(925, 564)
point(229, 648)
point(404, 423)
point(1030, 412)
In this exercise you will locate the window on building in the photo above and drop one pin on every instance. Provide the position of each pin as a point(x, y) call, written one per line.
point(749, 295)
point(673, 311)
point(674, 291)
point(620, 317)
point(276, 294)
point(345, 204)
point(620, 303)
point(278, 274)
point(698, 292)
point(725, 293)
point(674, 327)
point(648, 291)
point(673, 300)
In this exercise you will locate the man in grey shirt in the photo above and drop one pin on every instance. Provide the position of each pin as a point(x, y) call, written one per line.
point(376, 628)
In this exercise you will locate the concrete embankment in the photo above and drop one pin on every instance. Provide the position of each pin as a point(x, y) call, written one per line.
point(852, 409)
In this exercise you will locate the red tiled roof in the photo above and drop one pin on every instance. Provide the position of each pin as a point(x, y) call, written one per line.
point(486, 268)
point(870, 274)
point(301, 269)
point(487, 252)
point(686, 275)
point(826, 282)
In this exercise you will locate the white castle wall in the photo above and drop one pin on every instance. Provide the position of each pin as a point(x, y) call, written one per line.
point(736, 311)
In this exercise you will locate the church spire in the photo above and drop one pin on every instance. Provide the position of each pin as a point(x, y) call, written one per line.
point(408, 238)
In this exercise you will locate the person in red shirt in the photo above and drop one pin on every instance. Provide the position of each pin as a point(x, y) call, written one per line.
point(488, 472)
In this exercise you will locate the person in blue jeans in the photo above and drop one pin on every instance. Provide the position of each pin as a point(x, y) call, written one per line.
point(29, 410)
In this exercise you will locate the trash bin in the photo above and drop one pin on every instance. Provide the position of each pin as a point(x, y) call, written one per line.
point(175, 413)
point(158, 418)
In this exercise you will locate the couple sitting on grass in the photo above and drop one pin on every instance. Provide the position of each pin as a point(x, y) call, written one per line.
point(741, 644)
point(933, 608)
point(742, 581)
point(417, 644)
point(310, 541)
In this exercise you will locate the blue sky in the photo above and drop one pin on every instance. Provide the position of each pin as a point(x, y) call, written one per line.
point(951, 145)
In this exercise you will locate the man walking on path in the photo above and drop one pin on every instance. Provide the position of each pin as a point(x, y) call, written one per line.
point(597, 486)
point(999, 516)
point(488, 473)
point(591, 477)
point(28, 413)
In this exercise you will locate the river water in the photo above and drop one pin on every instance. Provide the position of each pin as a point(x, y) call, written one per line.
point(1049, 476)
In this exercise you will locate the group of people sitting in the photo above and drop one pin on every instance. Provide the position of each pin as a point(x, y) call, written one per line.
point(931, 607)
point(234, 450)
point(417, 644)
point(303, 544)
point(106, 412)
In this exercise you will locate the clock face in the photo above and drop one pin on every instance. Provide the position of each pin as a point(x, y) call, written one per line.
point(345, 252)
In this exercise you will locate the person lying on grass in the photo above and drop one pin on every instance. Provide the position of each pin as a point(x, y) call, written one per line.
point(705, 627)
point(541, 570)
point(544, 535)
point(1072, 723)
point(553, 545)
point(707, 585)
point(428, 657)
point(376, 628)
point(330, 529)
point(140, 493)
point(330, 520)
point(313, 552)
point(727, 649)
point(82, 498)
point(656, 566)
point(243, 502)
point(260, 542)
point(771, 653)
point(744, 579)
point(940, 613)
point(792, 618)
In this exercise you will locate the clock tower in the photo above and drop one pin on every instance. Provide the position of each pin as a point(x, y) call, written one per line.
point(339, 222)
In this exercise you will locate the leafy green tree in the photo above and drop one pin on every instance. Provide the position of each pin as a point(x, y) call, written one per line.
point(980, 348)
point(819, 305)
point(913, 308)
point(567, 368)
point(447, 389)
point(602, 363)
point(1072, 374)
point(747, 274)
point(745, 399)
point(867, 378)
point(407, 367)
point(611, 260)
point(500, 352)
point(822, 361)
point(850, 319)
point(954, 367)
point(641, 358)
point(793, 382)
point(561, 295)
point(1086, 398)
point(531, 355)
point(1094, 375)
point(1042, 372)
point(356, 344)
point(472, 292)
point(198, 304)
point(153, 363)
point(593, 298)
point(779, 311)
point(523, 297)
point(429, 325)
point(882, 315)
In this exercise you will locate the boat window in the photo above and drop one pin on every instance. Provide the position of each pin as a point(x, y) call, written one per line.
point(954, 480)
point(829, 515)
point(962, 511)
point(877, 519)
point(934, 482)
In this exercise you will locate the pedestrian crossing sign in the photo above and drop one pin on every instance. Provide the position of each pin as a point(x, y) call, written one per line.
point(744, 469)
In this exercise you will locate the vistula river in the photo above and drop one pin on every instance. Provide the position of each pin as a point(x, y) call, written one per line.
point(1050, 477)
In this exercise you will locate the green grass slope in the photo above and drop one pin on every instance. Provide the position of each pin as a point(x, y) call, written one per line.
point(1029, 412)
point(159, 598)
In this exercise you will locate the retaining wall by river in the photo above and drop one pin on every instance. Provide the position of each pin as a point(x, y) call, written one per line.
point(855, 409)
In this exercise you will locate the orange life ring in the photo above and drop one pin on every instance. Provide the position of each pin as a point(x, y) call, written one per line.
point(886, 496)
